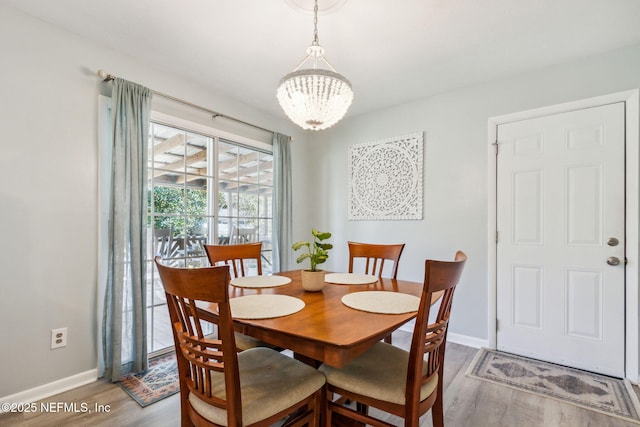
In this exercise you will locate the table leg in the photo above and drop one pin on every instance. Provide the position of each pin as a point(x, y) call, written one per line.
point(307, 360)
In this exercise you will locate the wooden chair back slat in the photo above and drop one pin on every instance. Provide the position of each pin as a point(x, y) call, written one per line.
point(375, 256)
point(236, 257)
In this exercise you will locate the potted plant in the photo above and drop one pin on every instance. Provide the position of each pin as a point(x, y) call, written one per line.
point(317, 253)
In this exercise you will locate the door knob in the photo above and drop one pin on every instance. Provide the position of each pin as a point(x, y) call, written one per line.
point(613, 260)
point(613, 241)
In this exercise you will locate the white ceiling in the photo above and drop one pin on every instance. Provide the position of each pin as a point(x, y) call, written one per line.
point(391, 51)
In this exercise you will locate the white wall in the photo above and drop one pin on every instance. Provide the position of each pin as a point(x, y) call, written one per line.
point(48, 185)
point(456, 170)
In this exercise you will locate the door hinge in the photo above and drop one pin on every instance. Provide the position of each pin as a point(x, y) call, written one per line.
point(496, 237)
point(497, 325)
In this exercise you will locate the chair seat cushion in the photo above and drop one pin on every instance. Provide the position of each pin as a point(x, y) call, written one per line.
point(245, 342)
point(380, 373)
point(270, 382)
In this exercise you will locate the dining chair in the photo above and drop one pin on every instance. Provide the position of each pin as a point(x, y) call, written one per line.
point(241, 235)
point(240, 258)
point(218, 385)
point(374, 257)
point(404, 383)
point(164, 243)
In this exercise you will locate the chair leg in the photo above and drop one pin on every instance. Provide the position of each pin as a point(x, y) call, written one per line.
point(185, 419)
point(318, 406)
point(327, 412)
point(437, 411)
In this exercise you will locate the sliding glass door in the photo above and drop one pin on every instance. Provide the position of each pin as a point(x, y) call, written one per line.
point(203, 189)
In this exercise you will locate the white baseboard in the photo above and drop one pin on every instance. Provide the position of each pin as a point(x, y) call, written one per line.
point(451, 337)
point(467, 340)
point(53, 388)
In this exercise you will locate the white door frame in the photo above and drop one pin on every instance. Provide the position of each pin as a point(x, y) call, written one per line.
point(632, 213)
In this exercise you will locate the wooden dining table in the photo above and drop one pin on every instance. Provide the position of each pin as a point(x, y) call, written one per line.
point(325, 330)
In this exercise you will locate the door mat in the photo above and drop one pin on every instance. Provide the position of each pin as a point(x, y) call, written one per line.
point(158, 382)
point(607, 395)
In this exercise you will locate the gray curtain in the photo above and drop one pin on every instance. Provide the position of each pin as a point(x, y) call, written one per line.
point(124, 323)
point(282, 205)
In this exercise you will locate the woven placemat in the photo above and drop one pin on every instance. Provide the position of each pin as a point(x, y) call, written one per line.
point(260, 281)
point(264, 306)
point(350, 278)
point(382, 302)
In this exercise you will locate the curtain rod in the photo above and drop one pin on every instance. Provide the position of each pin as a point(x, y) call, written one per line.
point(106, 77)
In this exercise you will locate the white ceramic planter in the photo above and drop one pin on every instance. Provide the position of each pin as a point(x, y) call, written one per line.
point(313, 281)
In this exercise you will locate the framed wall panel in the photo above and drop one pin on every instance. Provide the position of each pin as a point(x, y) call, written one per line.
point(385, 179)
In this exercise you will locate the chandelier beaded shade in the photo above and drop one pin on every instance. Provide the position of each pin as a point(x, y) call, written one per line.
point(315, 98)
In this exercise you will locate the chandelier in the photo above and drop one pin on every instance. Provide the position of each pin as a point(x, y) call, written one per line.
point(314, 98)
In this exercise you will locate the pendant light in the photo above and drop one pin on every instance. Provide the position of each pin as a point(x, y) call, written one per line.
point(315, 98)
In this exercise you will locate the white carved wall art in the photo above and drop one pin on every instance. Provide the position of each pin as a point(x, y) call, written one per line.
point(385, 179)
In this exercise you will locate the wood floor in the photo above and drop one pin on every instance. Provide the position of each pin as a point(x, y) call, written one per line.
point(467, 402)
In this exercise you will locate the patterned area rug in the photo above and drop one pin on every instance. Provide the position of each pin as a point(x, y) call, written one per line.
point(599, 393)
point(160, 381)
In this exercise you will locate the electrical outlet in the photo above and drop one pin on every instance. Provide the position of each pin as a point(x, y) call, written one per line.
point(58, 338)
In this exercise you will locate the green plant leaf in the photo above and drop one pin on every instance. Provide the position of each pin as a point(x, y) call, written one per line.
point(302, 258)
point(317, 251)
point(323, 236)
point(298, 245)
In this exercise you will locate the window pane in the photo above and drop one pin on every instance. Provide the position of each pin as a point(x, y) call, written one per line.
point(251, 267)
point(168, 154)
point(196, 200)
point(162, 334)
point(233, 210)
point(224, 197)
point(197, 148)
point(197, 261)
point(151, 270)
point(265, 207)
point(266, 260)
point(227, 161)
point(197, 237)
point(266, 231)
point(248, 203)
point(159, 296)
point(168, 201)
point(150, 327)
point(265, 171)
point(224, 230)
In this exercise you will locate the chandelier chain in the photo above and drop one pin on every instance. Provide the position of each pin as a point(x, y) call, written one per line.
point(315, 24)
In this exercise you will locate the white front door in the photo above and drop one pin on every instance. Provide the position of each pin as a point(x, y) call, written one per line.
point(560, 223)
